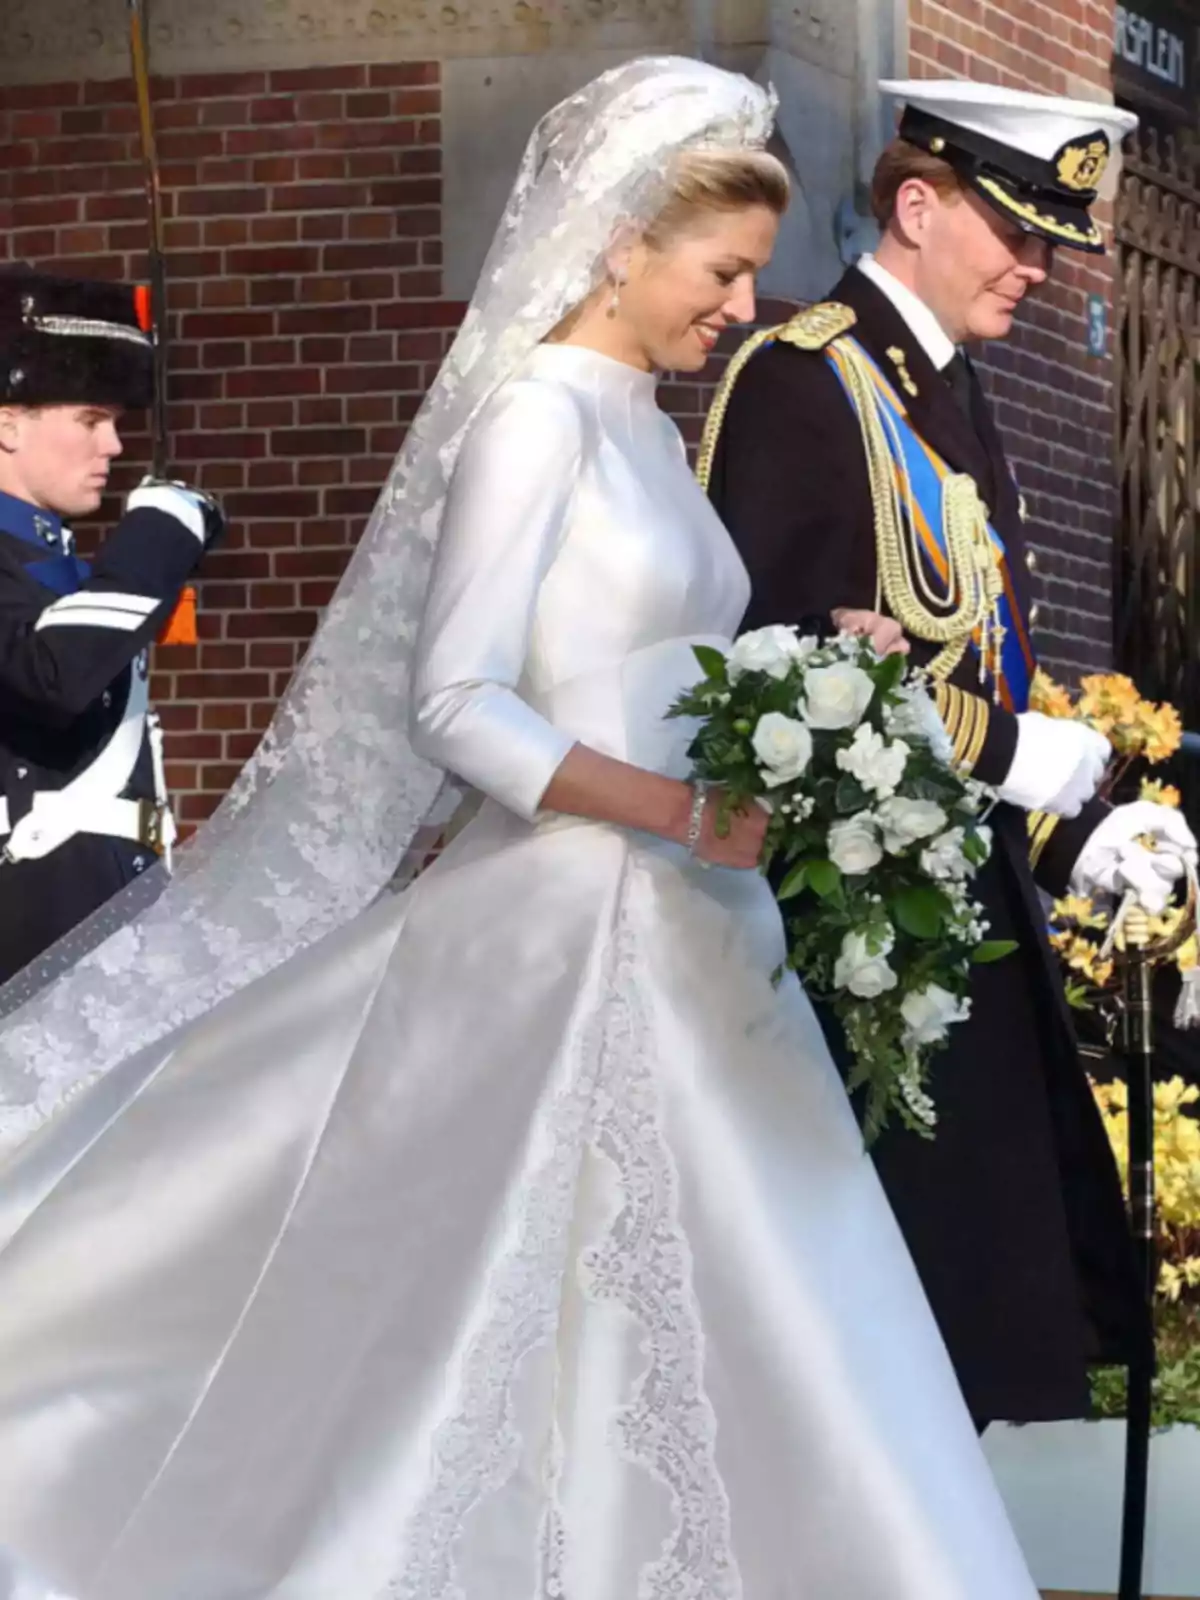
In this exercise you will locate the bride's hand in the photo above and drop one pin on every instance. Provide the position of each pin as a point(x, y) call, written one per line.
point(741, 845)
point(884, 632)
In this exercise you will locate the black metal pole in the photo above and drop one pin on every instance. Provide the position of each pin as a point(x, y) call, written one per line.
point(1139, 1053)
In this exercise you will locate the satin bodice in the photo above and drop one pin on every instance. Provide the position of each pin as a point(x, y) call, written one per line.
point(578, 565)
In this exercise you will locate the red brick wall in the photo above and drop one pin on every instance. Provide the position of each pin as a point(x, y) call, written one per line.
point(306, 321)
point(1053, 399)
point(303, 229)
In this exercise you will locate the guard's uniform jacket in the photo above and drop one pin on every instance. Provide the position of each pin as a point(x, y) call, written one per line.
point(1013, 1212)
point(83, 808)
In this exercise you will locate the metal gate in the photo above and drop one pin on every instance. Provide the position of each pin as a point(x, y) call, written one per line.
point(1157, 371)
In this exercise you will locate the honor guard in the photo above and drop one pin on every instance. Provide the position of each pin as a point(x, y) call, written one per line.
point(855, 457)
point(83, 803)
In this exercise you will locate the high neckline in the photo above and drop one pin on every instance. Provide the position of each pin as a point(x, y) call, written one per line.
point(585, 364)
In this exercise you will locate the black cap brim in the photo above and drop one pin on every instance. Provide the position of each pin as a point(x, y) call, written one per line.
point(1059, 221)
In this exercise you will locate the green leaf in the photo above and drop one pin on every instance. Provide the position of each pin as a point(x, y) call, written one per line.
point(921, 911)
point(712, 662)
point(824, 879)
point(889, 672)
point(795, 882)
point(849, 797)
point(992, 950)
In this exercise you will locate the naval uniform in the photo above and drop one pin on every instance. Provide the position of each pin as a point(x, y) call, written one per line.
point(1013, 1212)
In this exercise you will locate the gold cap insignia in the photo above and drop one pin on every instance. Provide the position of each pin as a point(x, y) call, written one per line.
point(1080, 165)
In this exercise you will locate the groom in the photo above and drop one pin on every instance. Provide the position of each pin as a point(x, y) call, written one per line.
point(1013, 1213)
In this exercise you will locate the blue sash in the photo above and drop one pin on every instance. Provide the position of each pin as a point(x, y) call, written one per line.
point(924, 471)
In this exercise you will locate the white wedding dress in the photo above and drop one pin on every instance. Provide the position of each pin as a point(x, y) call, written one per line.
point(515, 1242)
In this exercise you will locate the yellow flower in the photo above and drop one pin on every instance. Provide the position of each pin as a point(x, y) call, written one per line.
point(1079, 910)
point(1048, 697)
point(1160, 793)
point(1162, 732)
point(1177, 1175)
point(1109, 703)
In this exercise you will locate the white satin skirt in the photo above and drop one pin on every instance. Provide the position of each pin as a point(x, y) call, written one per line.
point(515, 1243)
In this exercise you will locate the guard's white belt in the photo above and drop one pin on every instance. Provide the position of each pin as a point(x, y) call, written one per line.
point(89, 803)
point(139, 821)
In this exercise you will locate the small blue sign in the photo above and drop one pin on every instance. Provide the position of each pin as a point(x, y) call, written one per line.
point(1097, 325)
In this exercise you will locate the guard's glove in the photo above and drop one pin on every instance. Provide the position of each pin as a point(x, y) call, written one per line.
point(1057, 765)
point(200, 514)
point(1114, 860)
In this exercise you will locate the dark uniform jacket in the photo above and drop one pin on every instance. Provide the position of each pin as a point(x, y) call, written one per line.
point(1013, 1213)
point(71, 642)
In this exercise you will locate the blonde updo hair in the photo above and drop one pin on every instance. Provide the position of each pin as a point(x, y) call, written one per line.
point(717, 180)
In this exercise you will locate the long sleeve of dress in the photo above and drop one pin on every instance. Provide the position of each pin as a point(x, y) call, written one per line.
point(504, 521)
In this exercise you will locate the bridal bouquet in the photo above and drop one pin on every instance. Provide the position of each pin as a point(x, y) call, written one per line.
point(872, 844)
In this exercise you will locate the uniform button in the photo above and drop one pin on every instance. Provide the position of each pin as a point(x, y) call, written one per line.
point(106, 698)
point(22, 772)
point(139, 863)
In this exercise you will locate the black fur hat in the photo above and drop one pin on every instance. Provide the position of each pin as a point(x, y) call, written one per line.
point(70, 341)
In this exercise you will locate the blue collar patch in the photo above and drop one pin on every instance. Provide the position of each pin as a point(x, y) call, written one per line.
point(32, 525)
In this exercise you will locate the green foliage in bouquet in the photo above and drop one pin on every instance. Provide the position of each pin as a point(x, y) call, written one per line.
point(873, 838)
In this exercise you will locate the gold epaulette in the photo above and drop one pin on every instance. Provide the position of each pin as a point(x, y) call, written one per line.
point(810, 329)
point(1041, 825)
point(817, 326)
point(967, 718)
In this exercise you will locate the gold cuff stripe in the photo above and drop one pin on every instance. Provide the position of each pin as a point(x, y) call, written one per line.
point(967, 718)
point(1041, 825)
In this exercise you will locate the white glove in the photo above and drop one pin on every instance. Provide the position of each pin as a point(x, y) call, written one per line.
point(196, 511)
point(1057, 765)
point(1113, 861)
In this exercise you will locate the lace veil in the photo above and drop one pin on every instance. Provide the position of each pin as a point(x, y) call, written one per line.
point(336, 805)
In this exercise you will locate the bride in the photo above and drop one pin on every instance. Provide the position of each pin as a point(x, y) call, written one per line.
point(513, 1239)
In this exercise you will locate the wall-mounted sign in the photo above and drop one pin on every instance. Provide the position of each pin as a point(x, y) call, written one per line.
point(1154, 54)
point(1097, 325)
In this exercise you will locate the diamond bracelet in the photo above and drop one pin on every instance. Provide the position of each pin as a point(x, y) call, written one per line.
point(696, 820)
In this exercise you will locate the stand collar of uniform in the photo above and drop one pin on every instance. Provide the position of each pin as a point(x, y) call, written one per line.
point(923, 325)
point(31, 523)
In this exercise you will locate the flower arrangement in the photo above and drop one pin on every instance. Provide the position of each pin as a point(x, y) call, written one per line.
point(874, 837)
point(1137, 729)
point(1079, 932)
point(1177, 1302)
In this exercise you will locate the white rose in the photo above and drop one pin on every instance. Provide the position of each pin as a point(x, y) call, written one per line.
point(773, 650)
point(877, 765)
point(854, 845)
point(944, 858)
point(930, 1013)
point(836, 697)
point(783, 746)
point(904, 822)
point(916, 717)
point(864, 971)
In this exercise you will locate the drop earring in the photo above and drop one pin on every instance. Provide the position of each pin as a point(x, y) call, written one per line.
point(614, 304)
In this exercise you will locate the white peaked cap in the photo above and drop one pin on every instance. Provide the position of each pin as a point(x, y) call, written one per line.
point(1036, 158)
